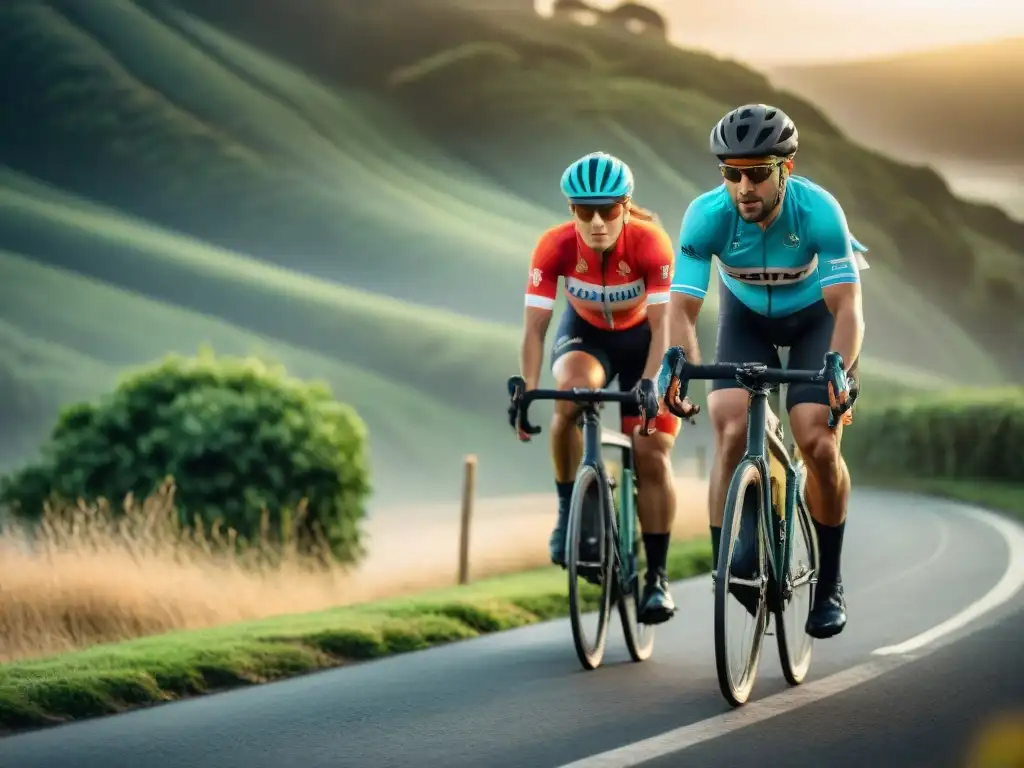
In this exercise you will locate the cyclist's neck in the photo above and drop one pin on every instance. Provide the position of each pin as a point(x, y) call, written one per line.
point(775, 212)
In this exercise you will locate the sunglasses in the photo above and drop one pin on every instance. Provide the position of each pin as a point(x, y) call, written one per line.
point(756, 173)
point(608, 212)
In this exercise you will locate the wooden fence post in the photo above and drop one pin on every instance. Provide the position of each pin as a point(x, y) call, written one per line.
point(468, 493)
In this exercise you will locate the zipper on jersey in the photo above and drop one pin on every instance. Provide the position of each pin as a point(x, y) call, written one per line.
point(606, 308)
point(764, 256)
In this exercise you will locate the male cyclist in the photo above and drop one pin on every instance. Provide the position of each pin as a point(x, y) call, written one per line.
point(617, 265)
point(789, 278)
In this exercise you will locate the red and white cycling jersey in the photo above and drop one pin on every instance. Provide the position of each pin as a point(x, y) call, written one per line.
point(608, 290)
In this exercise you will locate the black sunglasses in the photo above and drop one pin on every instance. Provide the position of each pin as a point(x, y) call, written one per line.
point(756, 173)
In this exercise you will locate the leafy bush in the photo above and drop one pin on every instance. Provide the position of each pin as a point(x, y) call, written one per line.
point(963, 434)
point(242, 441)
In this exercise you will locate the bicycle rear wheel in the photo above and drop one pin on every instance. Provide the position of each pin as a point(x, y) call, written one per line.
point(745, 495)
point(589, 496)
point(639, 637)
point(796, 596)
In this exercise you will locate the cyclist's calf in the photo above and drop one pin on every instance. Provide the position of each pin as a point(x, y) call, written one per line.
point(656, 502)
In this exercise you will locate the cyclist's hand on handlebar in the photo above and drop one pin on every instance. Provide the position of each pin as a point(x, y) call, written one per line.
point(649, 406)
point(523, 429)
point(840, 399)
point(683, 407)
point(675, 399)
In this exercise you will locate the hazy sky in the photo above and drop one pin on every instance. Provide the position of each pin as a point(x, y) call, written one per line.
point(818, 30)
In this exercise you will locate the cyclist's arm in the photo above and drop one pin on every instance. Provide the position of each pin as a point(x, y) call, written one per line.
point(541, 289)
point(839, 276)
point(658, 282)
point(691, 279)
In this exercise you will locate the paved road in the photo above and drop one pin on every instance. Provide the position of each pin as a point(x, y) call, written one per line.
point(521, 699)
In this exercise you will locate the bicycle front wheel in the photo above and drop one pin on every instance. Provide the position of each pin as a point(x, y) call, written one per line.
point(796, 596)
point(741, 585)
point(588, 515)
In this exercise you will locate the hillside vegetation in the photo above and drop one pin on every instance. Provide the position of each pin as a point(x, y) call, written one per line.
point(354, 190)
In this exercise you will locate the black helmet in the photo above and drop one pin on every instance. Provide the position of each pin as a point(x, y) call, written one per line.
point(754, 130)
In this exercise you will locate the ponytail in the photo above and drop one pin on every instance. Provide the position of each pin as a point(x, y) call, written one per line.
point(635, 211)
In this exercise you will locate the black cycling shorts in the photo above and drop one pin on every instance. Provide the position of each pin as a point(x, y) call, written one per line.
point(744, 336)
point(621, 353)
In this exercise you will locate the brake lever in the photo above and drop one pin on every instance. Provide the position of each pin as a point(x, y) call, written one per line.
point(516, 390)
point(671, 381)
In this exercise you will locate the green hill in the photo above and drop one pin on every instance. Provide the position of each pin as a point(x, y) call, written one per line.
point(358, 199)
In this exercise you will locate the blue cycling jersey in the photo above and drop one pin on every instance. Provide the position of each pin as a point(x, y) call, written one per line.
point(775, 272)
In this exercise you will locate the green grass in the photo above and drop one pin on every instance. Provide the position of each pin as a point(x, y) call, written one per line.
point(113, 678)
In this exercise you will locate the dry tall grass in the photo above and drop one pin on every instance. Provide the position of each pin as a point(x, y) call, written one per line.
point(89, 576)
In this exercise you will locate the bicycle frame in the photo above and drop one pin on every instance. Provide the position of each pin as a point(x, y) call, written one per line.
point(762, 446)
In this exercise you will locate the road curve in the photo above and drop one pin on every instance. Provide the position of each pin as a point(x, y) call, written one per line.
point(520, 698)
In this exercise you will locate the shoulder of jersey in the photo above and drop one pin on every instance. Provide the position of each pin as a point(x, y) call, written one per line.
point(808, 194)
point(714, 202)
point(559, 236)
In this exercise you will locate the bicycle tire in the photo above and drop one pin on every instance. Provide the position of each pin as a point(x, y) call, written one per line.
point(639, 637)
point(590, 656)
point(738, 692)
point(796, 664)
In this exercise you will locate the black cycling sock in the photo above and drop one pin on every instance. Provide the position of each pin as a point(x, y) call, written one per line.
point(656, 547)
point(564, 496)
point(830, 545)
point(716, 539)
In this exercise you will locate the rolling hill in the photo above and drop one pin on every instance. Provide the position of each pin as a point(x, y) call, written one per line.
point(955, 108)
point(355, 193)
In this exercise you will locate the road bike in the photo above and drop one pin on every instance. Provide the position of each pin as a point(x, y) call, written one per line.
point(613, 523)
point(766, 492)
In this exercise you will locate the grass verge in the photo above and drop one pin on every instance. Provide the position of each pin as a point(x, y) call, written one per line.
point(107, 679)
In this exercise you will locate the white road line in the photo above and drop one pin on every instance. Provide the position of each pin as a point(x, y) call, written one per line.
point(1005, 588)
point(892, 657)
point(753, 712)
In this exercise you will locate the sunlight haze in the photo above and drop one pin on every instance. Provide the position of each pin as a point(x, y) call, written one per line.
point(830, 31)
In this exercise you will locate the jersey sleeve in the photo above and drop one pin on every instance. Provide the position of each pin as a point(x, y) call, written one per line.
point(542, 280)
point(837, 263)
point(693, 259)
point(658, 265)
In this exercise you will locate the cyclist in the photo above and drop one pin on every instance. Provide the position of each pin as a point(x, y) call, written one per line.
point(789, 277)
point(617, 265)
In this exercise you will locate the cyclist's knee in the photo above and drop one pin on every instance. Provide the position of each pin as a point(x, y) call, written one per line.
point(652, 450)
point(818, 443)
point(576, 369)
point(820, 451)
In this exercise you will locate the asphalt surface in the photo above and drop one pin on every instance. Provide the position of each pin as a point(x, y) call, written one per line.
point(520, 698)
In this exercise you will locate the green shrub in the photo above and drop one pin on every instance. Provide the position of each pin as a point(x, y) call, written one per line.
point(239, 438)
point(958, 434)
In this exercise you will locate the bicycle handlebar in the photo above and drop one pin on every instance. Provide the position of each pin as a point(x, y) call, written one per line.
point(521, 397)
point(676, 372)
